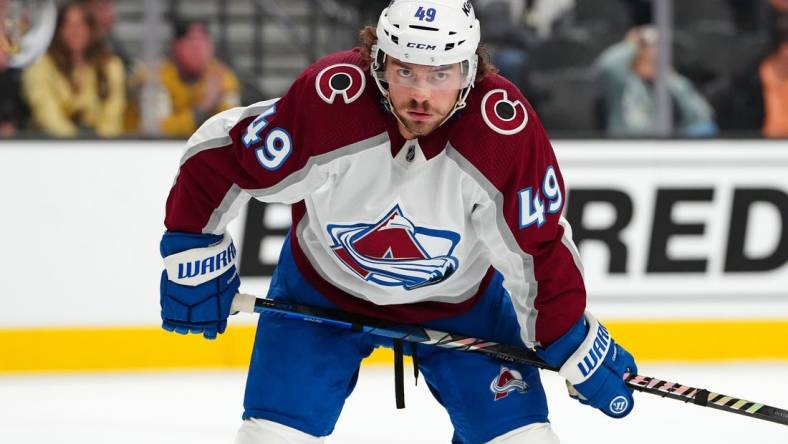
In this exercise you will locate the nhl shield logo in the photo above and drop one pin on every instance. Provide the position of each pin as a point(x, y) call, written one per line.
point(395, 252)
point(507, 381)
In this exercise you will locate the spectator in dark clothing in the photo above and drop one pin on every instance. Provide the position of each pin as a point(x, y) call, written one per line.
point(25, 31)
point(743, 105)
point(748, 14)
point(754, 16)
point(778, 9)
point(640, 11)
point(13, 111)
point(508, 39)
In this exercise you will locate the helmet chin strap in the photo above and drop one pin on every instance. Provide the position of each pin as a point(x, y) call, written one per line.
point(379, 61)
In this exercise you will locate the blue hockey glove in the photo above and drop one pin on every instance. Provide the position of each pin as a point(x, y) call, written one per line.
point(198, 283)
point(594, 366)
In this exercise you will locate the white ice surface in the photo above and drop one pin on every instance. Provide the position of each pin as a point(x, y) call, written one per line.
point(205, 408)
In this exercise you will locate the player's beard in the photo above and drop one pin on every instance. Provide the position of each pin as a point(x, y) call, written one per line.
point(421, 127)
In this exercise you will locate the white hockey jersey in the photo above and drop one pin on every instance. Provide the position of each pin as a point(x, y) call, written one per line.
point(406, 230)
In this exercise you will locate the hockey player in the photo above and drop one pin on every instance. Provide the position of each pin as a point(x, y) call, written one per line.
point(423, 190)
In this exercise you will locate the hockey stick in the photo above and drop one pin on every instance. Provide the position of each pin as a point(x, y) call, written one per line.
point(412, 333)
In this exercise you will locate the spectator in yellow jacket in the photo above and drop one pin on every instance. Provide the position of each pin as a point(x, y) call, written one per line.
point(197, 84)
point(77, 87)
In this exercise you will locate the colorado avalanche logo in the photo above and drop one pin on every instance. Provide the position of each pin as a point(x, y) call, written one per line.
point(395, 252)
point(343, 80)
point(501, 114)
point(507, 381)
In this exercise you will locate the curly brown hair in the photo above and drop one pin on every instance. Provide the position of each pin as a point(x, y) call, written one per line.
point(368, 36)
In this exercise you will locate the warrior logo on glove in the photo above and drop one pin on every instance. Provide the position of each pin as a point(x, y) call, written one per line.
point(619, 405)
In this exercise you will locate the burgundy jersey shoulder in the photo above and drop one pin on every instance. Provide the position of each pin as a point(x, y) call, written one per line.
point(337, 102)
point(500, 138)
point(498, 130)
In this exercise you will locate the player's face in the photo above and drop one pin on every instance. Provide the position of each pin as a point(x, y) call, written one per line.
point(422, 96)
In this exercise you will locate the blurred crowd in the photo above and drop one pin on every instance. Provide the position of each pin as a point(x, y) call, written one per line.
point(586, 66)
point(87, 85)
point(591, 65)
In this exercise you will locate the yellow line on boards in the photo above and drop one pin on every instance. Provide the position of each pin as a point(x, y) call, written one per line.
point(703, 340)
point(123, 348)
point(132, 348)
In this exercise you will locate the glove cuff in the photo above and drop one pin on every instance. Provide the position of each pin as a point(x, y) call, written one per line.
point(176, 241)
point(199, 265)
point(589, 355)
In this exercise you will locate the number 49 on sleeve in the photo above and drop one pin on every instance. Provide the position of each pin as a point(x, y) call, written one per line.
point(278, 144)
point(535, 204)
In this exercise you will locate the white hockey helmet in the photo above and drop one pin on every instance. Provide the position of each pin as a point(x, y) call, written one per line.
point(428, 32)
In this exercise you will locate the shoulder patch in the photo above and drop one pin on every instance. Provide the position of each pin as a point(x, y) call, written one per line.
point(342, 79)
point(504, 116)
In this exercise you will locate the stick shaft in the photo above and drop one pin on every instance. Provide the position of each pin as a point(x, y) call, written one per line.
point(706, 398)
point(412, 333)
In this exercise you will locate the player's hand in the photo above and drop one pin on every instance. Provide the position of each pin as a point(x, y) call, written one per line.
point(198, 283)
point(594, 366)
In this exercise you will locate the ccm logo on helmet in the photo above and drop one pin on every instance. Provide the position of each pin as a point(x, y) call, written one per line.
point(344, 80)
point(503, 115)
point(421, 46)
